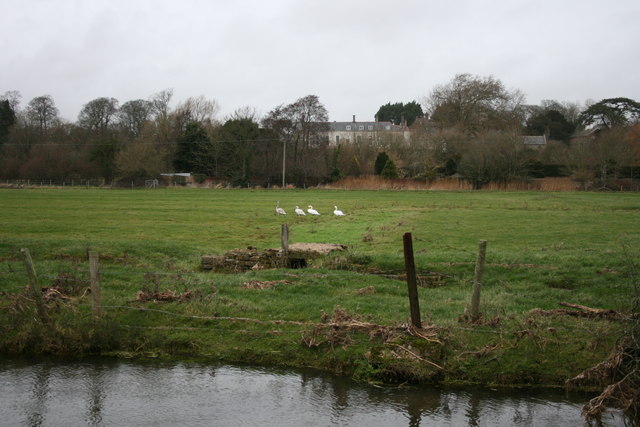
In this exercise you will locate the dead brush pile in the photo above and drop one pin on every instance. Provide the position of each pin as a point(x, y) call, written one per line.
point(585, 312)
point(54, 294)
point(17, 304)
point(167, 296)
point(23, 301)
point(150, 291)
point(403, 342)
point(71, 283)
point(335, 329)
point(620, 375)
point(265, 284)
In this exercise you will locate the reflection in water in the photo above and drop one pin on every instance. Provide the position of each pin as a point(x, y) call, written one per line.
point(39, 395)
point(126, 393)
point(96, 392)
point(473, 411)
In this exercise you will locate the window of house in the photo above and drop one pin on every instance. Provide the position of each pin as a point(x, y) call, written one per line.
point(388, 127)
point(348, 127)
point(361, 127)
point(370, 127)
point(337, 139)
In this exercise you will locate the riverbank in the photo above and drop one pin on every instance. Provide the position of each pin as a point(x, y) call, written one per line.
point(537, 348)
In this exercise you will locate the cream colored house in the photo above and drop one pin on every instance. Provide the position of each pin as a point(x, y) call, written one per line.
point(354, 131)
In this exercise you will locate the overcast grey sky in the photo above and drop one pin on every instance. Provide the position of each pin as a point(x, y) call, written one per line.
point(356, 55)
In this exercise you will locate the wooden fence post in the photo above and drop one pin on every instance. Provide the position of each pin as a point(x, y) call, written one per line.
point(284, 238)
point(94, 272)
point(477, 281)
point(412, 283)
point(33, 285)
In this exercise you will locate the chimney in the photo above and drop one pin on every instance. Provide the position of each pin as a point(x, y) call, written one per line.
point(354, 118)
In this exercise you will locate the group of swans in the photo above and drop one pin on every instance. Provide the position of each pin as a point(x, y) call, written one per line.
point(310, 211)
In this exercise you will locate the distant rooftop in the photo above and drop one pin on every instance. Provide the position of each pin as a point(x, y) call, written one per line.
point(370, 126)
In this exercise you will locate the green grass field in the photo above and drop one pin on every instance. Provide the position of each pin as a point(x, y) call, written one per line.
point(543, 248)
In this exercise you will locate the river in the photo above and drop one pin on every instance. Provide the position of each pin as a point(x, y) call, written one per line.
point(107, 392)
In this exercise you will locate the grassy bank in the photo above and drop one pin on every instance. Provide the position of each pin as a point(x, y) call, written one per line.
point(345, 313)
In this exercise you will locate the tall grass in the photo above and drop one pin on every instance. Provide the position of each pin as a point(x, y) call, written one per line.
point(555, 184)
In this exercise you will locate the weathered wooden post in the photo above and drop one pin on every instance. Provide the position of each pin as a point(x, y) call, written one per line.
point(94, 272)
point(284, 238)
point(412, 283)
point(477, 281)
point(33, 285)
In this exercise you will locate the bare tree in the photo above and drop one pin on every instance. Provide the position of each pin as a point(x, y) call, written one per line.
point(98, 114)
point(246, 112)
point(310, 117)
point(199, 110)
point(160, 103)
point(160, 108)
point(474, 104)
point(280, 122)
point(133, 115)
point(300, 127)
point(280, 125)
point(42, 112)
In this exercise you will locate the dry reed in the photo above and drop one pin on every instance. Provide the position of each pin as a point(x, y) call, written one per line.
point(372, 182)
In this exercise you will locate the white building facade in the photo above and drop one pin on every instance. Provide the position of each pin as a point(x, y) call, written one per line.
point(355, 131)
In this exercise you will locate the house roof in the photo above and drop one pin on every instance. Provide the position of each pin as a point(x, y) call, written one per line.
point(354, 126)
point(586, 133)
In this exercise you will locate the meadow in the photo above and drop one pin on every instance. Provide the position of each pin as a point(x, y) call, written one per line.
point(542, 248)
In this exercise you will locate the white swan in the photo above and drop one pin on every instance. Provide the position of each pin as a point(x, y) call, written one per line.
point(337, 212)
point(279, 210)
point(312, 211)
point(300, 211)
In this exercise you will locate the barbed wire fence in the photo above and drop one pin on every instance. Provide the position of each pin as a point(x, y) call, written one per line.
point(90, 282)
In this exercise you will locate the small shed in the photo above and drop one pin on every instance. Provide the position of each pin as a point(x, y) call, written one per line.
point(534, 141)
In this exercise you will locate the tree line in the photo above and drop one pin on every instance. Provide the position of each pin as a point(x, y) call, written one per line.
point(472, 128)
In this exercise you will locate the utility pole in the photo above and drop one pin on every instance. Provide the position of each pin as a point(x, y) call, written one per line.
point(284, 160)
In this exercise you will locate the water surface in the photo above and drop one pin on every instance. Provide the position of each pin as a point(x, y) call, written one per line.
point(126, 393)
